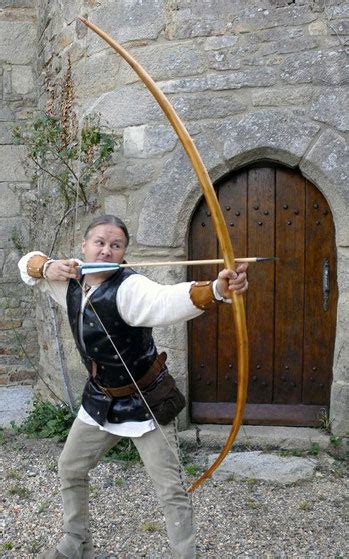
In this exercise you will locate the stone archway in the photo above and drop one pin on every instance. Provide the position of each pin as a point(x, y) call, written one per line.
point(281, 136)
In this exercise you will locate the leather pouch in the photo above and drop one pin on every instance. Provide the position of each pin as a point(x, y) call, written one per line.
point(164, 398)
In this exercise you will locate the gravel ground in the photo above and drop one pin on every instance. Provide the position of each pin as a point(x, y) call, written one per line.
point(234, 518)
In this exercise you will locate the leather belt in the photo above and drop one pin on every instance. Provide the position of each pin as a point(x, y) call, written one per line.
point(143, 382)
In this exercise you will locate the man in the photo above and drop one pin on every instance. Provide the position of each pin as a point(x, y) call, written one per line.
point(111, 315)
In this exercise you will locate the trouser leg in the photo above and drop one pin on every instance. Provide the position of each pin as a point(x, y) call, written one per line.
point(161, 461)
point(84, 447)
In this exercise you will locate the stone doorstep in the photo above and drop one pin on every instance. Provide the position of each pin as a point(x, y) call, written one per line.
point(255, 437)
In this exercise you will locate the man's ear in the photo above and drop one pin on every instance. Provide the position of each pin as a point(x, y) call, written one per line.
point(83, 246)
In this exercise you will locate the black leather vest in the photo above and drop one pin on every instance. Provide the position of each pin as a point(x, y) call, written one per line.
point(134, 344)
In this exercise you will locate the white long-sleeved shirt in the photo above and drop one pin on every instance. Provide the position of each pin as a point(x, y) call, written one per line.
point(140, 302)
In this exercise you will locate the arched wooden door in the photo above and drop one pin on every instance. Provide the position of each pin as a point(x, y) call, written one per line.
point(291, 303)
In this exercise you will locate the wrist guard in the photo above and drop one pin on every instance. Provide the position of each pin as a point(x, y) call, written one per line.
point(35, 266)
point(201, 294)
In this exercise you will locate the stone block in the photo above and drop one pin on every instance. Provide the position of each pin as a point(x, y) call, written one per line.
point(10, 324)
point(6, 136)
point(116, 205)
point(276, 34)
point(165, 61)
point(17, 41)
point(331, 107)
point(172, 337)
point(252, 77)
point(248, 21)
point(15, 231)
point(148, 141)
point(12, 168)
point(289, 45)
point(6, 113)
point(220, 42)
point(281, 135)
point(17, 4)
point(338, 10)
point(206, 106)
point(128, 21)
point(22, 79)
point(23, 376)
point(129, 174)
point(327, 163)
point(283, 97)
point(319, 67)
point(95, 74)
point(340, 408)
point(318, 28)
point(185, 24)
point(9, 201)
point(11, 265)
point(128, 106)
point(7, 82)
point(266, 467)
point(343, 282)
point(339, 27)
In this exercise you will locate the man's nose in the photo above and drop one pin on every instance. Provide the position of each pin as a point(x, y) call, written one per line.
point(106, 249)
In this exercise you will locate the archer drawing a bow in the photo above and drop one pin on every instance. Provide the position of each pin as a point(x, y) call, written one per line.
point(237, 303)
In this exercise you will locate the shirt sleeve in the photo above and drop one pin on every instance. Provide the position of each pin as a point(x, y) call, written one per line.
point(143, 302)
point(56, 289)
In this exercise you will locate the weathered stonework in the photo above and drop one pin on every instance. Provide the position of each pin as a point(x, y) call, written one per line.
point(264, 80)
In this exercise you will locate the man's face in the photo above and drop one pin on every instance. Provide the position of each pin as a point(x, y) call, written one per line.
point(104, 243)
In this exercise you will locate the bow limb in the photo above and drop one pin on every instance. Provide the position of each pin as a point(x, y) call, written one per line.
point(238, 309)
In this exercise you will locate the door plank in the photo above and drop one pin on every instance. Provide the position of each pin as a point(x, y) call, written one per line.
point(260, 296)
point(202, 330)
point(261, 414)
point(289, 294)
point(233, 201)
point(320, 318)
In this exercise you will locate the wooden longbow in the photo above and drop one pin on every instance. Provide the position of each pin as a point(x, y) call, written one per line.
point(238, 309)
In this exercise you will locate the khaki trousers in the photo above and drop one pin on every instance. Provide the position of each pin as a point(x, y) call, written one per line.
point(84, 447)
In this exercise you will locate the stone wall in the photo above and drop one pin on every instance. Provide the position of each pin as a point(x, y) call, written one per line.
point(259, 79)
point(18, 87)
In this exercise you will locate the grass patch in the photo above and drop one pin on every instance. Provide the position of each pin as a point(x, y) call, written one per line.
point(251, 504)
point(250, 482)
point(20, 491)
point(13, 474)
point(305, 505)
point(151, 527)
point(231, 477)
point(47, 421)
point(286, 453)
point(2, 437)
point(7, 546)
point(314, 449)
point(192, 469)
point(124, 450)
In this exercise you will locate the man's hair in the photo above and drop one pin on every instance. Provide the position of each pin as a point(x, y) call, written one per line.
point(108, 219)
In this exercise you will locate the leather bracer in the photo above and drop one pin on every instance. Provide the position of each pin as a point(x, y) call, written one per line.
point(201, 294)
point(35, 266)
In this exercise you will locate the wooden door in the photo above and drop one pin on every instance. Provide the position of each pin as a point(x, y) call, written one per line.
point(291, 303)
